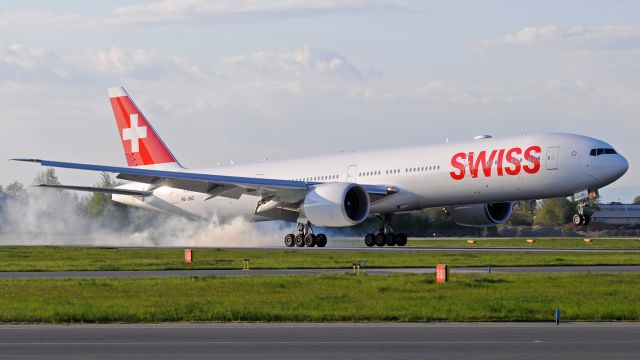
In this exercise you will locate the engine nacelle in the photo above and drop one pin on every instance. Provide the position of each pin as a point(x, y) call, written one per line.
point(481, 214)
point(336, 205)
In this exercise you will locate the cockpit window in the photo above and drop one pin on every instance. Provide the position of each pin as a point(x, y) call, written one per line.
point(602, 151)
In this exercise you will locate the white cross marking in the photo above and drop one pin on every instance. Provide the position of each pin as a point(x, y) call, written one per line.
point(134, 133)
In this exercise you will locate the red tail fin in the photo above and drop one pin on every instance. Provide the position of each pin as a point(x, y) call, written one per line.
point(141, 143)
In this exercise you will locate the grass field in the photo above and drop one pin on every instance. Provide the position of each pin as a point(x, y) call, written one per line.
point(497, 297)
point(69, 258)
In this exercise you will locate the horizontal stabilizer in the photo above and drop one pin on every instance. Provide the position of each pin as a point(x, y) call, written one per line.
point(99, 190)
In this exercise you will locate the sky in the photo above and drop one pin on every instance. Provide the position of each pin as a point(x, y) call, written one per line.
point(244, 80)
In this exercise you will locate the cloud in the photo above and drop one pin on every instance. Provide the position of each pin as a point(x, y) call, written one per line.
point(615, 36)
point(298, 63)
point(282, 70)
point(183, 11)
point(187, 12)
point(22, 62)
point(448, 92)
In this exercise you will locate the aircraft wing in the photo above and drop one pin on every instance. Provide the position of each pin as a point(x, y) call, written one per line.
point(288, 191)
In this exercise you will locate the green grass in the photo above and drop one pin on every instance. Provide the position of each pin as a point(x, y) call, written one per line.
point(71, 258)
point(497, 297)
point(546, 243)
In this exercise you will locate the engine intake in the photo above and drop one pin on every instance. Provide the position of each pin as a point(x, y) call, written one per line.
point(336, 205)
point(481, 214)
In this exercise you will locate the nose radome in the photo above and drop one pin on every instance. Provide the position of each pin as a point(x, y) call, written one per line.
point(624, 166)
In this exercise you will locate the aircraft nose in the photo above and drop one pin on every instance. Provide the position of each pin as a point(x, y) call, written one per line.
point(624, 165)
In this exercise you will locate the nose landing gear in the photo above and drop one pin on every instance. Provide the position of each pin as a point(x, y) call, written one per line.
point(305, 237)
point(584, 211)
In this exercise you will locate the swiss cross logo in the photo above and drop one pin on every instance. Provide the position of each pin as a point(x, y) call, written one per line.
point(134, 133)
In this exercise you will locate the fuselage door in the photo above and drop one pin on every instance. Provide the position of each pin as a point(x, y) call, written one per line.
point(552, 157)
point(352, 173)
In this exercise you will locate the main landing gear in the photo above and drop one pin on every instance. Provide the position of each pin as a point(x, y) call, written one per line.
point(386, 235)
point(305, 237)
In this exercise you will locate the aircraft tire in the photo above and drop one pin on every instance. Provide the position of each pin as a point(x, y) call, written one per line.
point(299, 240)
point(578, 219)
point(381, 240)
point(289, 240)
point(321, 240)
point(390, 239)
point(309, 240)
point(370, 240)
point(401, 239)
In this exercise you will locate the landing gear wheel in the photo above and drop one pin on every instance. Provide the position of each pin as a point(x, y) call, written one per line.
point(401, 239)
point(587, 220)
point(309, 240)
point(370, 240)
point(289, 240)
point(299, 240)
point(390, 239)
point(578, 219)
point(381, 240)
point(321, 240)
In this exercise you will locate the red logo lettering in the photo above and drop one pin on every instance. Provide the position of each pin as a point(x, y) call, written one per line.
point(507, 161)
point(532, 155)
point(513, 161)
point(455, 162)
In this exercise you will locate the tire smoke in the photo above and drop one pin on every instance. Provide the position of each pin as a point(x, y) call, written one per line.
point(53, 217)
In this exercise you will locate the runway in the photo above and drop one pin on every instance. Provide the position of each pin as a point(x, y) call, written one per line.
point(436, 249)
point(372, 271)
point(493, 341)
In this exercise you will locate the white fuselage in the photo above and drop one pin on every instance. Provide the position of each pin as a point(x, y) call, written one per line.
point(425, 176)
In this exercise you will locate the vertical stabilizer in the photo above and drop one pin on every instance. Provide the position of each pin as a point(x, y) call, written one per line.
point(142, 145)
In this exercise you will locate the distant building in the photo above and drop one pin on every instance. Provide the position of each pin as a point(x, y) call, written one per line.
point(617, 214)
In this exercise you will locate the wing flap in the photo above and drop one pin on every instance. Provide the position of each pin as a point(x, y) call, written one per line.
point(98, 189)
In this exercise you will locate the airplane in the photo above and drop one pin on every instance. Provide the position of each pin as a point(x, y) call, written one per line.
point(476, 182)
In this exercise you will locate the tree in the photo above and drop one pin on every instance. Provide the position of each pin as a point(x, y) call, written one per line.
point(520, 218)
point(98, 202)
point(47, 176)
point(555, 212)
point(637, 200)
point(1, 190)
point(15, 189)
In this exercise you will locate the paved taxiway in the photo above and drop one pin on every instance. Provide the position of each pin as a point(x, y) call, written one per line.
point(330, 248)
point(373, 271)
point(582, 341)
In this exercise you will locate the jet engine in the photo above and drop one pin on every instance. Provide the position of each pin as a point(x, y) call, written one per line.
point(336, 204)
point(481, 214)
